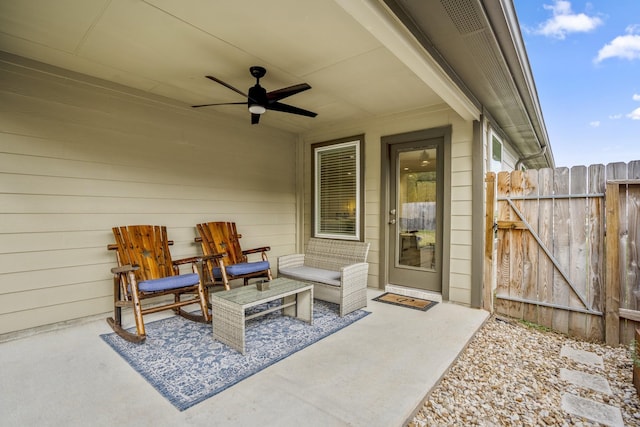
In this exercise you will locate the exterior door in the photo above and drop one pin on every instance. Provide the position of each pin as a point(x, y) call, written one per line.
point(415, 214)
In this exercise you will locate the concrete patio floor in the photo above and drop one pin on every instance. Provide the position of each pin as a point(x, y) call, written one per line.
point(375, 372)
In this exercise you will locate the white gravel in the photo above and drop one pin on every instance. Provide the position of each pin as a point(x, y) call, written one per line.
point(509, 374)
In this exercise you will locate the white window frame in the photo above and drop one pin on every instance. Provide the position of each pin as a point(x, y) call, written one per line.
point(317, 149)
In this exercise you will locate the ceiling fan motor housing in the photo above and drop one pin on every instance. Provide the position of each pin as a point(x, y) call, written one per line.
point(257, 95)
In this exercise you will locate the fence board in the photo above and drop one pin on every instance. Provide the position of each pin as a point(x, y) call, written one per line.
point(612, 266)
point(503, 256)
point(545, 267)
point(595, 267)
point(578, 249)
point(633, 171)
point(631, 263)
point(561, 248)
point(530, 210)
point(618, 171)
point(487, 295)
point(516, 245)
point(631, 275)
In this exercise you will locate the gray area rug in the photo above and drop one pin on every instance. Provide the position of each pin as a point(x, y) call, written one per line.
point(183, 362)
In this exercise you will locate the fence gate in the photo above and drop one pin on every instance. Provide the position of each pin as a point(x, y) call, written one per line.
point(547, 255)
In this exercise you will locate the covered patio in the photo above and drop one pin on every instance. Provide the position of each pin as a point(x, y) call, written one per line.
point(375, 372)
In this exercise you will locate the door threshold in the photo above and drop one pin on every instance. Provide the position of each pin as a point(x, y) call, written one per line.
point(414, 293)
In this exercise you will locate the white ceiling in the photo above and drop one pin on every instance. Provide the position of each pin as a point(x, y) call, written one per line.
point(166, 47)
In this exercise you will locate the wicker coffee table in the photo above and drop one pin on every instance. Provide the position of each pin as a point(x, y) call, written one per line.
point(228, 308)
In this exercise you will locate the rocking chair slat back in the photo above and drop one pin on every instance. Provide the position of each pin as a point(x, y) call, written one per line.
point(222, 237)
point(147, 247)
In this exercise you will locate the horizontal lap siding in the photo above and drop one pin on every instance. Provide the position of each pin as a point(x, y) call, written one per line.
point(461, 217)
point(77, 159)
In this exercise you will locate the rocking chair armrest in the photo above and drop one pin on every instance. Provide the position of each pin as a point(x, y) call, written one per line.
point(213, 256)
point(190, 260)
point(256, 250)
point(124, 269)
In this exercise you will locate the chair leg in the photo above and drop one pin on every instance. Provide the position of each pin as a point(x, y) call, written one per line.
point(137, 307)
point(117, 297)
point(116, 321)
point(204, 302)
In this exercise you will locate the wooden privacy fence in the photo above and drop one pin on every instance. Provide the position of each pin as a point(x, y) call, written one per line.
point(562, 249)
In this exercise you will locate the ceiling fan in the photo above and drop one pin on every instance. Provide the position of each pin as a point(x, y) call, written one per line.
point(259, 100)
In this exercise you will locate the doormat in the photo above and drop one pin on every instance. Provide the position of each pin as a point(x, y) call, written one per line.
point(405, 301)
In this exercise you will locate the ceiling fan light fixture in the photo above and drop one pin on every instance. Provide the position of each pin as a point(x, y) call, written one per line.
point(257, 109)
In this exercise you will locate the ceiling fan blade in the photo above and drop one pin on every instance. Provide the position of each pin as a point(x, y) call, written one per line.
point(223, 103)
point(227, 85)
point(277, 95)
point(255, 118)
point(278, 106)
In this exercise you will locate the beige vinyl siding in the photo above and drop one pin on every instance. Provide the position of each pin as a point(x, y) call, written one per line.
point(509, 158)
point(461, 216)
point(79, 156)
point(461, 181)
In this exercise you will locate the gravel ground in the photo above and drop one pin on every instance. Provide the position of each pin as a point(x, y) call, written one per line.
point(510, 375)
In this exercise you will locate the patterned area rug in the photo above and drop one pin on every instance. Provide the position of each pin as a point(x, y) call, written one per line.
point(186, 365)
point(405, 301)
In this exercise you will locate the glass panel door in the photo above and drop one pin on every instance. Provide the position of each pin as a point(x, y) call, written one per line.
point(415, 214)
point(416, 203)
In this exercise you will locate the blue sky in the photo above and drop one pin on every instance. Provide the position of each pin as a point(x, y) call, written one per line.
point(585, 58)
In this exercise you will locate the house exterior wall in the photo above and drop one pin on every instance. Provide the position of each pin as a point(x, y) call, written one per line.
point(79, 156)
point(459, 274)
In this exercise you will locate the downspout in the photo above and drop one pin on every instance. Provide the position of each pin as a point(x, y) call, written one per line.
point(543, 150)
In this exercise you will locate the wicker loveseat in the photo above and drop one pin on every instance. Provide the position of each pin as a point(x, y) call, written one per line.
point(337, 269)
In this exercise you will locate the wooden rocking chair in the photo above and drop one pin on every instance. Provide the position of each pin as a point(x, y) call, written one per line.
point(145, 270)
point(218, 238)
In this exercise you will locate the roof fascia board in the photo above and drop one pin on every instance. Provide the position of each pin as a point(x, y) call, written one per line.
point(385, 27)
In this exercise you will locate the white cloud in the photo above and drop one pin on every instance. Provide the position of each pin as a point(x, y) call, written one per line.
point(636, 97)
point(564, 21)
point(635, 114)
point(615, 116)
point(626, 47)
point(595, 124)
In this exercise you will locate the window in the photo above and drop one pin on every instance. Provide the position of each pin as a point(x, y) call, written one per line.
point(337, 198)
point(496, 154)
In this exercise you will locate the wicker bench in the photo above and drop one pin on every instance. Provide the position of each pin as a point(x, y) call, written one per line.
point(337, 269)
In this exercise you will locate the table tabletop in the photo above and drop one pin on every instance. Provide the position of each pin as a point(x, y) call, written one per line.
point(249, 295)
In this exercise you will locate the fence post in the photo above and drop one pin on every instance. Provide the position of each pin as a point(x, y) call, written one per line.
point(487, 294)
point(612, 266)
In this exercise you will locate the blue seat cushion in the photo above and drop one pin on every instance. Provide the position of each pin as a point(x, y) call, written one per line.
point(167, 283)
point(243, 268)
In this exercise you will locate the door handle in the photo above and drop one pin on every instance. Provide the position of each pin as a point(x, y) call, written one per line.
point(392, 221)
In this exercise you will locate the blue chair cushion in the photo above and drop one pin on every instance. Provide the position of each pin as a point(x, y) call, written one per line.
point(243, 268)
point(171, 282)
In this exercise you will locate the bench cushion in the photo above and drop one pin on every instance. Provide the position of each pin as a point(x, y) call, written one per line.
point(171, 282)
point(312, 274)
point(243, 268)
